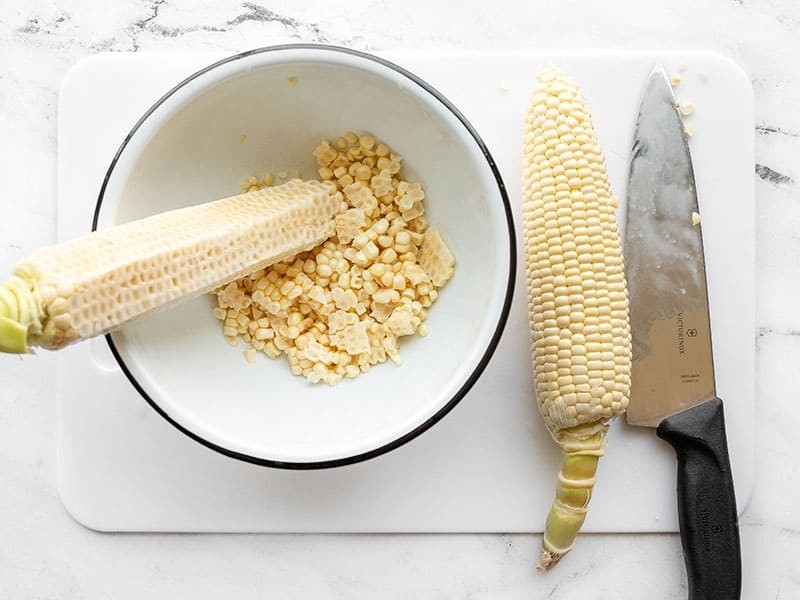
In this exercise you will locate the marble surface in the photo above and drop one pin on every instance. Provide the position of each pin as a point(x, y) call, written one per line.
point(45, 554)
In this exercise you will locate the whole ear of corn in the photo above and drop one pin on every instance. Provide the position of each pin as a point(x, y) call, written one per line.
point(89, 286)
point(577, 295)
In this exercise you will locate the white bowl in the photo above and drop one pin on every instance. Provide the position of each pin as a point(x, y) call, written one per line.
point(188, 149)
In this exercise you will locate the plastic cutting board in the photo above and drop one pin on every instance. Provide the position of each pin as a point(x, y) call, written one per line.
point(489, 466)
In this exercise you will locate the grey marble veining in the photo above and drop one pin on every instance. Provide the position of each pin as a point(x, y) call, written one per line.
point(44, 554)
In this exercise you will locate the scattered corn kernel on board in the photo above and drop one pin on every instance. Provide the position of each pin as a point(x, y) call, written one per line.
point(488, 466)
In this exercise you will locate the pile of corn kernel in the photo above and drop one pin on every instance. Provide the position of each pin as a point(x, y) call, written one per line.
point(342, 307)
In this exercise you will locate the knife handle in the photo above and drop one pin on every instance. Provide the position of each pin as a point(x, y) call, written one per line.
point(706, 502)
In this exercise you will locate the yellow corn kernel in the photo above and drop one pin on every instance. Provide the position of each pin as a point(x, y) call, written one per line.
point(341, 307)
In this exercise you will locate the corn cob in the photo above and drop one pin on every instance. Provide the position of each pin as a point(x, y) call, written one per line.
point(577, 295)
point(86, 287)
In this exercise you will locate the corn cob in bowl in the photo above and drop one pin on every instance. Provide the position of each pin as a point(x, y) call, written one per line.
point(95, 284)
point(580, 334)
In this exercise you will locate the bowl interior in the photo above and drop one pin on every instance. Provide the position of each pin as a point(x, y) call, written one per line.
point(267, 112)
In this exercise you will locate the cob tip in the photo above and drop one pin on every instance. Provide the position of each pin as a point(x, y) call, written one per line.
point(581, 448)
point(21, 313)
point(548, 559)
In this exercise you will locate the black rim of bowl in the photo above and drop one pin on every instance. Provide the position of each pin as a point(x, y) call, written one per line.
point(479, 368)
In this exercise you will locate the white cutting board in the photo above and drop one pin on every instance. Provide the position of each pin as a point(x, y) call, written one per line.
point(489, 465)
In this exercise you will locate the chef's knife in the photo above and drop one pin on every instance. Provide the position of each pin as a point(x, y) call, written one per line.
point(672, 379)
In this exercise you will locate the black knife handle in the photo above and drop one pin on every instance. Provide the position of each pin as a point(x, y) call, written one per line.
point(706, 502)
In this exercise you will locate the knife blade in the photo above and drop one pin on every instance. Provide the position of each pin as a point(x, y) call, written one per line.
point(672, 379)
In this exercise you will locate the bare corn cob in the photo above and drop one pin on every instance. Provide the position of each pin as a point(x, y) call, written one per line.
point(577, 295)
point(89, 286)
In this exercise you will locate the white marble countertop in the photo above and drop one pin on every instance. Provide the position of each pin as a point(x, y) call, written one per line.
point(45, 554)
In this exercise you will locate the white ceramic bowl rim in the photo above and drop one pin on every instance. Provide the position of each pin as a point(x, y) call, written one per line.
point(509, 290)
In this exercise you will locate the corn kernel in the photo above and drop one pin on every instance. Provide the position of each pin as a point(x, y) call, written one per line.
point(370, 250)
point(297, 299)
point(367, 141)
point(388, 256)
